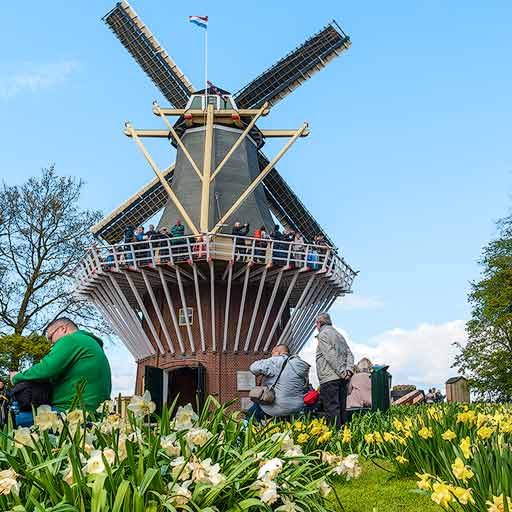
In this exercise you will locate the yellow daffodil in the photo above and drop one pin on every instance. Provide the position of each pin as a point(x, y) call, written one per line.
point(369, 438)
point(461, 471)
point(347, 436)
point(302, 438)
point(497, 504)
point(463, 496)
point(401, 459)
point(424, 481)
point(426, 433)
point(465, 446)
point(442, 494)
point(485, 432)
point(449, 435)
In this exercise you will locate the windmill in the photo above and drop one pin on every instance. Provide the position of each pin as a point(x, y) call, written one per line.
point(195, 311)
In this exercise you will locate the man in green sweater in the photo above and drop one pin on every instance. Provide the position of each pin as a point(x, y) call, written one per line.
point(76, 356)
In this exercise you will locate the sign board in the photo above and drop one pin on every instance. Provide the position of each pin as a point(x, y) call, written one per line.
point(245, 381)
point(181, 316)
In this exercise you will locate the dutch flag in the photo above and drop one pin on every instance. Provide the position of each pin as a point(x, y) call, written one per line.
point(200, 21)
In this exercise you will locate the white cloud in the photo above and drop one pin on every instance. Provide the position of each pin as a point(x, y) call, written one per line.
point(31, 77)
point(422, 356)
point(123, 369)
point(354, 302)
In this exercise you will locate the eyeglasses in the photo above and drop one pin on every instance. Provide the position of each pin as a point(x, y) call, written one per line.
point(50, 336)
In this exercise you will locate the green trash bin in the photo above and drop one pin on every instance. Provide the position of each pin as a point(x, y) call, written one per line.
point(381, 387)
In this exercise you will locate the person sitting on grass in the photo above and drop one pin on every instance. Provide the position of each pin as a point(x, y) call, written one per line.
point(76, 357)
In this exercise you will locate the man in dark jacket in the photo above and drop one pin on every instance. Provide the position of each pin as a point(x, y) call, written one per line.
point(240, 231)
point(334, 363)
point(76, 357)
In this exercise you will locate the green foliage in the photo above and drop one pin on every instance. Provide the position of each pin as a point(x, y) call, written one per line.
point(19, 352)
point(487, 357)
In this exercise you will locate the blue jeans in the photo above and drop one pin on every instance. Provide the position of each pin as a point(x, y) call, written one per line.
point(26, 418)
point(257, 413)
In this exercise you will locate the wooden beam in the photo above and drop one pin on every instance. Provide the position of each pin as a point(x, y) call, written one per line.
point(170, 192)
point(207, 168)
point(259, 179)
point(239, 141)
point(282, 133)
point(158, 134)
point(249, 112)
point(180, 143)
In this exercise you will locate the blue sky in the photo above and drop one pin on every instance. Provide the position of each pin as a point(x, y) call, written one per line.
point(408, 163)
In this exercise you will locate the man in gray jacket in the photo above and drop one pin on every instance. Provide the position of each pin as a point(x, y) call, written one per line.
point(289, 390)
point(334, 363)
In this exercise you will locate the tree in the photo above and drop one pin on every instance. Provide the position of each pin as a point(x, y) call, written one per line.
point(43, 236)
point(487, 356)
point(19, 352)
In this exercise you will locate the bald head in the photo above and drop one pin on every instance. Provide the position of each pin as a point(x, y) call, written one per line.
point(280, 350)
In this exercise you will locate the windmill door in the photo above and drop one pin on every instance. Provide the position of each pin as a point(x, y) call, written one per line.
point(186, 384)
point(153, 382)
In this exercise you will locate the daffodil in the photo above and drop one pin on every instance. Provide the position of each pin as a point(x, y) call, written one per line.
point(441, 494)
point(401, 459)
point(8, 482)
point(347, 436)
point(266, 490)
point(270, 468)
point(485, 432)
point(24, 437)
point(302, 438)
point(142, 405)
point(424, 481)
point(465, 446)
point(185, 417)
point(497, 504)
point(449, 435)
point(426, 433)
point(463, 496)
point(461, 471)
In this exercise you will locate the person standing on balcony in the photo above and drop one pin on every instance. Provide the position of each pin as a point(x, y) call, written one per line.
point(298, 249)
point(278, 252)
point(177, 231)
point(240, 231)
point(334, 363)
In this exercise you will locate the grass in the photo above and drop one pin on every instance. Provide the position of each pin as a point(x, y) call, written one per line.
point(377, 490)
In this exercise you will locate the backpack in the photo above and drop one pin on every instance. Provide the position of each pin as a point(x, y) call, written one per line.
point(30, 394)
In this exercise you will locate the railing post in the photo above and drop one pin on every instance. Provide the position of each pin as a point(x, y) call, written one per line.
point(151, 252)
point(171, 255)
point(189, 249)
point(116, 259)
point(306, 256)
point(134, 258)
point(289, 254)
point(233, 252)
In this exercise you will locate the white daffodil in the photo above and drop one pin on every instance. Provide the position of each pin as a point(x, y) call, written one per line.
point(349, 466)
point(270, 468)
point(185, 417)
point(197, 437)
point(170, 446)
point(8, 482)
point(206, 473)
point(110, 455)
point(294, 452)
point(110, 423)
point(180, 469)
point(46, 419)
point(68, 476)
point(95, 464)
point(324, 488)
point(108, 406)
point(288, 506)
point(142, 405)
point(24, 437)
point(121, 447)
point(180, 495)
point(75, 417)
point(267, 490)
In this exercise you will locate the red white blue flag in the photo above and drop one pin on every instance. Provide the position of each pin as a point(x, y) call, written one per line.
point(200, 21)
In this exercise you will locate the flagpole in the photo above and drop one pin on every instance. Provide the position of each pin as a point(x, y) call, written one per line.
point(206, 68)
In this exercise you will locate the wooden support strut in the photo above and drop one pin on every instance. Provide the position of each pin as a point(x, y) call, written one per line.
point(163, 181)
point(239, 140)
point(179, 141)
point(207, 168)
point(258, 180)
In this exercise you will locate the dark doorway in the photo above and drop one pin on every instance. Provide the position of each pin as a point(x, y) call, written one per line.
point(188, 384)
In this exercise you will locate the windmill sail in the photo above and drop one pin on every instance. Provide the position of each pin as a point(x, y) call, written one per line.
point(295, 68)
point(147, 51)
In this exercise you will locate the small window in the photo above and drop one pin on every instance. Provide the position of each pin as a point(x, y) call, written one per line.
point(181, 316)
point(213, 100)
point(197, 103)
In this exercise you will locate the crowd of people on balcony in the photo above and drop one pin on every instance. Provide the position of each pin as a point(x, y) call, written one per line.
point(163, 244)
